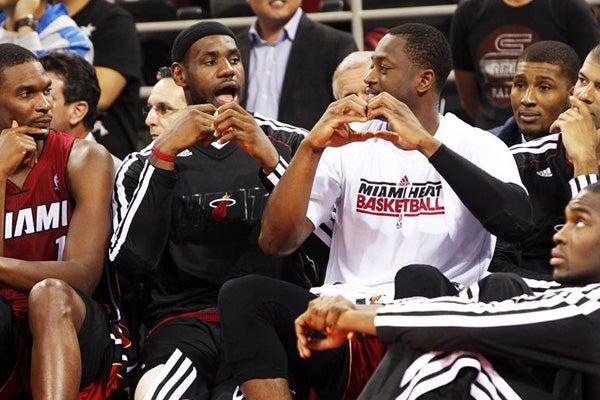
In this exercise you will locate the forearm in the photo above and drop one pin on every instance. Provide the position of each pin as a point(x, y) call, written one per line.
point(284, 217)
point(585, 162)
point(361, 320)
point(111, 84)
point(142, 215)
point(502, 208)
point(22, 275)
point(530, 329)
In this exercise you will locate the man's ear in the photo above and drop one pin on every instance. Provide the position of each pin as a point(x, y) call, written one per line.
point(77, 112)
point(426, 81)
point(179, 75)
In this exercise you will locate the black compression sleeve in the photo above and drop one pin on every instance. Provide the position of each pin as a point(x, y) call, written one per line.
point(502, 208)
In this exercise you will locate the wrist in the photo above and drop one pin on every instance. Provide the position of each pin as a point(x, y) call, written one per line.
point(168, 157)
point(428, 146)
point(359, 321)
point(269, 166)
point(160, 159)
point(26, 23)
point(585, 165)
point(308, 146)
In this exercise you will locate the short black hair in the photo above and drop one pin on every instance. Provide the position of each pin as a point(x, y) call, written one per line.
point(12, 55)
point(555, 53)
point(80, 81)
point(427, 48)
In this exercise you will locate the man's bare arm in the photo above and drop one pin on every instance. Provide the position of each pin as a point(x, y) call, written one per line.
point(111, 85)
point(336, 319)
point(284, 224)
point(466, 86)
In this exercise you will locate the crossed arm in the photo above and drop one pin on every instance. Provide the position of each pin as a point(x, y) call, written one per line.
point(89, 179)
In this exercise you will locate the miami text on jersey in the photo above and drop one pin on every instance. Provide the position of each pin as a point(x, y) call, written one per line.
point(393, 199)
point(30, 220)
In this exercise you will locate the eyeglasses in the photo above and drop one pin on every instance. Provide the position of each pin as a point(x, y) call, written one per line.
point(558, 227)
point(161, 109)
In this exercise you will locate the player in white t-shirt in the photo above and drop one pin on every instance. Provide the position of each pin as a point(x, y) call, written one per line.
point(420, 188)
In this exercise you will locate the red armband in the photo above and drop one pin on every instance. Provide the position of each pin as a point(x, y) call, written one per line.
point(162, 156)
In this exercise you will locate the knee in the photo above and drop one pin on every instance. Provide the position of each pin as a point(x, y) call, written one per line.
point(501, 286)
point(50, 300)
point(242, 290)
point(422, 280)
point(417, 272)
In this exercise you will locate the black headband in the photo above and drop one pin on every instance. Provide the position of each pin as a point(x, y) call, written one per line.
point(189, 36)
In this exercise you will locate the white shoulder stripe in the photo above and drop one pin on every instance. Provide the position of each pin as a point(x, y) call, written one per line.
point(120, 202)
point(551, 145)
point(122, 229)
point(278, 125)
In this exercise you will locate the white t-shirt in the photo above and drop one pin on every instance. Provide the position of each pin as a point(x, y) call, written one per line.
point(393, 209)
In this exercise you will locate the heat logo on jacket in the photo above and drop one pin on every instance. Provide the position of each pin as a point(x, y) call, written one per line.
point(403, 199)
point(244, 204)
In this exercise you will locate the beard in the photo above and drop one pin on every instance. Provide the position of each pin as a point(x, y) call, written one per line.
point(196, 97)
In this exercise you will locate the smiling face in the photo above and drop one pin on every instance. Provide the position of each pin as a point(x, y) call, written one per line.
point(274, 12)
point(587, 88)
point(164, 99)
point(211, 71)
point(540, 92)
point(26, 96)
point(576, 257)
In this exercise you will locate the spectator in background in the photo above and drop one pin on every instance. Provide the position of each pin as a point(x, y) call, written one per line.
point(554, 168)
point(165, 98)
point(41, 27)
point(487, 36)
point(118, 63)
point(349, 76)
point(545, 74)
point(75, 92)
point(290, 61)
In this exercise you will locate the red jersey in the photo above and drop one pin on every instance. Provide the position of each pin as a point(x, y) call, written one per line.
point(37, 216)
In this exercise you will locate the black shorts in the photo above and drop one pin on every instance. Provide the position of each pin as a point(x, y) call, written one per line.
point(191, 350)
point(94, 344)
point(94, 340)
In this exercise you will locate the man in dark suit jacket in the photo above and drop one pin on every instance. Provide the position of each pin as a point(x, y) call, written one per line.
point(290, 61)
